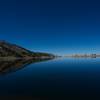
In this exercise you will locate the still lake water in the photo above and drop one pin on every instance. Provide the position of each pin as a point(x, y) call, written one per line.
point(67, 78)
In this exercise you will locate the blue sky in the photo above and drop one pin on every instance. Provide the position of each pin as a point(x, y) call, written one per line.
point(55, 26)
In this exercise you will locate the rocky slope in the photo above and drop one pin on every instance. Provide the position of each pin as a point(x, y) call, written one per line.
point(12, 50)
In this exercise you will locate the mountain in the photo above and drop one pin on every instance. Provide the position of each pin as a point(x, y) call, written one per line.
point(7, 49)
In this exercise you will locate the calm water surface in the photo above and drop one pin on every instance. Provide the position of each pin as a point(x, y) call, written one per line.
point(66, 78)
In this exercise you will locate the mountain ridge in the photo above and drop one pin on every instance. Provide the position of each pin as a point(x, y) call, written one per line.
point(10, 49)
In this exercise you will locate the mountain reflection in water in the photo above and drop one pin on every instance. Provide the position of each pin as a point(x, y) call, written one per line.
point(14, 65)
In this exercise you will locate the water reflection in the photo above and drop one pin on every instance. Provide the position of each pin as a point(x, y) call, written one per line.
point(14, 65)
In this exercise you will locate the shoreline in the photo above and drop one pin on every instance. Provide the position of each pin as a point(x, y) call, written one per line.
point(23, 58)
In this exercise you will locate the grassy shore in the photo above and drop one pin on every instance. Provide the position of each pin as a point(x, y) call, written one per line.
point(10, 58)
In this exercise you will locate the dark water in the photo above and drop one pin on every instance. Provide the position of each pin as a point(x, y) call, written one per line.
point(64, 78)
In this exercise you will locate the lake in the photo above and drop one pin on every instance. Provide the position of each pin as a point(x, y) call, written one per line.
point(64, 78)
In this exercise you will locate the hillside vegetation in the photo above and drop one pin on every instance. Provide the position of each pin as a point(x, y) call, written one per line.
point(13, 50)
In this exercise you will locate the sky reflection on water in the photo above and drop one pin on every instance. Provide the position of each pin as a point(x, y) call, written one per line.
point(63, 77)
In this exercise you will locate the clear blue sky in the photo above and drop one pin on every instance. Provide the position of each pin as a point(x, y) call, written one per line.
point(55, 26)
